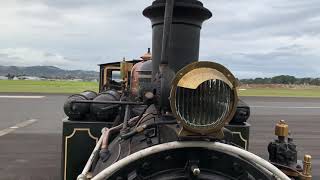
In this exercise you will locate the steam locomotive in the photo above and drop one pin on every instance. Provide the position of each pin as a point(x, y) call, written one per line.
point(170, 116)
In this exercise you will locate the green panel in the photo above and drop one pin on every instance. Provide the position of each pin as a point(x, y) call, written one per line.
point(78, 142)
point(240, 134)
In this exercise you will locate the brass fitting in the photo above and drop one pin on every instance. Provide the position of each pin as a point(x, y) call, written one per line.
point(282, 129)
point(307, 167)
point(147, 56)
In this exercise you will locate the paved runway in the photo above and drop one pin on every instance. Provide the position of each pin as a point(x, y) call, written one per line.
point(30, 146)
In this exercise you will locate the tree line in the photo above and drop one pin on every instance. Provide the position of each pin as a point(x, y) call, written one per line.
point(283, 79)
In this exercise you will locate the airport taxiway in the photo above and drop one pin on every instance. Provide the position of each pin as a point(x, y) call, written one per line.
point(30, 142)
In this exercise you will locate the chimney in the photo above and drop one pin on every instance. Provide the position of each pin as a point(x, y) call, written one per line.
point(188, 16)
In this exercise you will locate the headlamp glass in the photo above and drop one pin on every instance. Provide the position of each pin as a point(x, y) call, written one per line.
point(203, 96)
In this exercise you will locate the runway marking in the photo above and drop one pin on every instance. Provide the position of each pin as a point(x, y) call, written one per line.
point(284, 107)
point(22, 97)
point(17, 126)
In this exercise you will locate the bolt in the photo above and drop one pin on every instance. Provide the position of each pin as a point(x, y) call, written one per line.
point(167, 158)
point(119, 178)
point(146, 166)
point(214, 157)
point(237, 168)
point(195, 170)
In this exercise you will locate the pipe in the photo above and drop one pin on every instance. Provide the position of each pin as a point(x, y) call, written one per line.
point(103, 142)
point(141, 114)
point(113, 130)
point(106, 173)
point(108, 102)
point(167, 31)
point(144, 127)
point(143, 118)
point(126, 118)
point(105, 139)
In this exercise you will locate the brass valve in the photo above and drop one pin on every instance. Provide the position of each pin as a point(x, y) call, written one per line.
point(307, 167)
point(282, 129)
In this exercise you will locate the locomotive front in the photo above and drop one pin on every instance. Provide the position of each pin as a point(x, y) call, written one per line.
point(172, 117)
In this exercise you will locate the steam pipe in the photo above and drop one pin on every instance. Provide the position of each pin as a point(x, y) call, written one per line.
point(103, 144)
point(126, 117)
point(167, 31)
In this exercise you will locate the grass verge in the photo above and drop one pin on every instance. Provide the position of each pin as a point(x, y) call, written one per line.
point(27, 86)
point(281, 92)
point(69, 87)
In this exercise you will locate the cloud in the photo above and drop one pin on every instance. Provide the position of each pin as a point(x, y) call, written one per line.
point(252, 38)
point(264, 38)
point(32, 57)
point(294, 60)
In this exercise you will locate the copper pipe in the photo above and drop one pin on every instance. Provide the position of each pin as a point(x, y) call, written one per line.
point(107, 133)
point(105, 139)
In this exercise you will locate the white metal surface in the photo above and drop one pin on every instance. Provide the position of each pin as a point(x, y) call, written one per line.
point(177, 145)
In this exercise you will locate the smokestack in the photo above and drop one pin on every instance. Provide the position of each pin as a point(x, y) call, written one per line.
point(188, 16)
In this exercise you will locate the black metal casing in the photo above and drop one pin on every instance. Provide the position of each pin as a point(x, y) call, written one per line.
point(188, 16)
point(78, 141)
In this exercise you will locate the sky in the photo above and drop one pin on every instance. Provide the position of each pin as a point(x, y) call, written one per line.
point(252, 38)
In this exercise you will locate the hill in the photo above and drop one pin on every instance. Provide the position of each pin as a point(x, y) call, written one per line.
point(48, 72)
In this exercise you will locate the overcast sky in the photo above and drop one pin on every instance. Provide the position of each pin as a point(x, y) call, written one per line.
point(253, 38)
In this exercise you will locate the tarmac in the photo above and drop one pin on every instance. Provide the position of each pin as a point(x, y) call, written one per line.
point(30, 131)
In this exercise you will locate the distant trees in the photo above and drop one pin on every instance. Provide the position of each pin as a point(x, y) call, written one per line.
point(282, 79)
point(10, 76)
point(315, 81)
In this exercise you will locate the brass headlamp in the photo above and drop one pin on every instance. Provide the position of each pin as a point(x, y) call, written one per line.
point(203, 97)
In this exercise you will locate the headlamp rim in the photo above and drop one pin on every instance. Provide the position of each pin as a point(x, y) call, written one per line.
point(219, 124)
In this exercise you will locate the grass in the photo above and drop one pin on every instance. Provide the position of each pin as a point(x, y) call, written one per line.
point(281, 92)
point(46, 86)
point(70, 87)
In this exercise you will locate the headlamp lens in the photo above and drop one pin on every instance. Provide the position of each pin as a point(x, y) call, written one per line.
point(202, 107)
